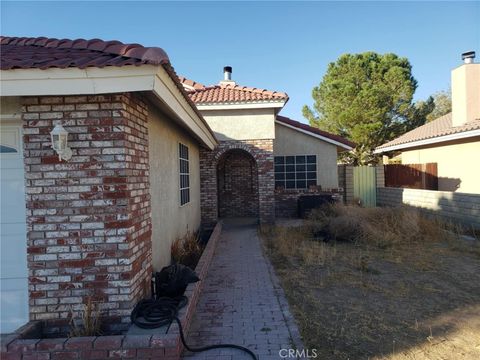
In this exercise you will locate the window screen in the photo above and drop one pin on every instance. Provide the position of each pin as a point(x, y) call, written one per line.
point(184, 174)
point(295, 172)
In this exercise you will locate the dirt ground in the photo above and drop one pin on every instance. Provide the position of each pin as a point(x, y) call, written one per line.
point(358, 301)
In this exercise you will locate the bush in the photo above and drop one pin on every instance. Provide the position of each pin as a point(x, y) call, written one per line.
point(382, 227)
point(187, 250)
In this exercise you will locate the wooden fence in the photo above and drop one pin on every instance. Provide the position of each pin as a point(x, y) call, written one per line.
point(413, 176)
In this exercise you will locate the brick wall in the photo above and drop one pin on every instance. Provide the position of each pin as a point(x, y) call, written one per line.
point(28, 342)
point(459, 207)
point(262, 152)
point(88, 219)
point(237, 185)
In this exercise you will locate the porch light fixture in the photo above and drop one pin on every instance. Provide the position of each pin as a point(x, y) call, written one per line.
point(60, 143)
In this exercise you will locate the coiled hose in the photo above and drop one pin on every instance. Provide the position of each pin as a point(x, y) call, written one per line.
point(154, 313)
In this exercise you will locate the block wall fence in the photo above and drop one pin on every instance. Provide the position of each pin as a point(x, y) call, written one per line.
point(459, 207)
point(462, 208)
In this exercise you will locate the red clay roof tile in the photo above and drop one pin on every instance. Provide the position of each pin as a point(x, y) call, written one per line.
point(436, 128)
point(44, 53)
point(228, 93)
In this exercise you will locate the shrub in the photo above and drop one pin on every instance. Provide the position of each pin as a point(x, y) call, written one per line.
point(382, 227)
point(86, 322)
point(187, 250)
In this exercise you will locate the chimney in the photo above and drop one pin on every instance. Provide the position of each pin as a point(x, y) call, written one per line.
point(227, 73)
point(468, 57)
point(227, 76)
point(466, 90)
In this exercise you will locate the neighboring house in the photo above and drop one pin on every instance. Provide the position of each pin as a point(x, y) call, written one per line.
point(264, 161)
point(142, 167)
point(452, 141)
point(98, 223)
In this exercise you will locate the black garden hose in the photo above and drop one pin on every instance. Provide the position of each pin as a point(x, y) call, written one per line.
point(154, 313)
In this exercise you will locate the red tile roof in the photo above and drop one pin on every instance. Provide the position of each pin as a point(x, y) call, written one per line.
point(229, 93)
point(43, 53)
point(436, 128)
point(190, 84)
point(313, 130)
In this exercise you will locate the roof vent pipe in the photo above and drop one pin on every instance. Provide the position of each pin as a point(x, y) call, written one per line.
point(227, 73)
point(468, 57)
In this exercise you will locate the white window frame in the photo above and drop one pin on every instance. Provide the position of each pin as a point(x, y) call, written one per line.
point(306, 172)
point(184, 174)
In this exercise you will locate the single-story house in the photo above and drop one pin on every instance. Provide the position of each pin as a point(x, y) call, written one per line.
point(107, 156)
point(99, 222)
point(290, 158)
point(453, 140)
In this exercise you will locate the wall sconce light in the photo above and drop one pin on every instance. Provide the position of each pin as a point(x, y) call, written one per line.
point(60, 143)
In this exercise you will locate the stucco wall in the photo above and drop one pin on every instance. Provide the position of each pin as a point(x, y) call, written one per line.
point(10, 106)
point(247, 124)
point(169, 219)
point(462, 208)
point(456, 164)
point(290, 142)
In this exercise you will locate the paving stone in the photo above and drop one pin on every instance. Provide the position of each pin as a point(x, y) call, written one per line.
point(241, 296)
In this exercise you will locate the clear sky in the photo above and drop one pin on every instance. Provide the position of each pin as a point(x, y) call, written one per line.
point(283, 46)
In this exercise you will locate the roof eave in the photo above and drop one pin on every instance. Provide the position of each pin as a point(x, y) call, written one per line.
point(92, 80)
point(423, 142)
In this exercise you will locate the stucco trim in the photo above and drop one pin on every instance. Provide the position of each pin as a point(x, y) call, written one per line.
point(323, 138)
point(439, 139)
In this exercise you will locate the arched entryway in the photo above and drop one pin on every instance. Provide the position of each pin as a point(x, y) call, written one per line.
point(237, 185)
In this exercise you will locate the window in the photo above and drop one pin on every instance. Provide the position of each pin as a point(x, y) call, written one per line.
point(295, 172)
point(7, 149)
point(184, 174)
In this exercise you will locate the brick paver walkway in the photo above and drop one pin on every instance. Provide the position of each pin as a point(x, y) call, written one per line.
point(241, 301)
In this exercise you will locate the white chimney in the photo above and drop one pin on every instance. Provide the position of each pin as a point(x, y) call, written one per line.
point(466, 91)
point(227, 76)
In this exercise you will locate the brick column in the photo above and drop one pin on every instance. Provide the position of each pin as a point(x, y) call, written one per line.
point(266, 179)
point(88, 219)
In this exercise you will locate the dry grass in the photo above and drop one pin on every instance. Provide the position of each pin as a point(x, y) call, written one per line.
point(381, 227)
point(379, 286)
point(187, 250)
point(86, 322)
